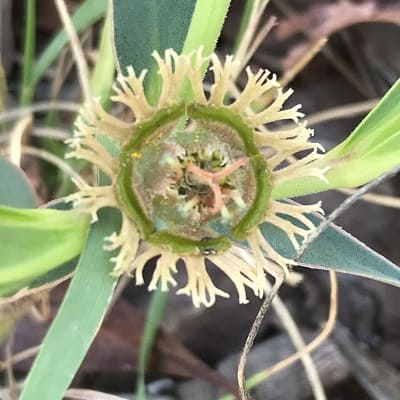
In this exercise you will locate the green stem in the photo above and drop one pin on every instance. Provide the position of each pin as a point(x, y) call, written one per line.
point(29, 52)
point(3, 88)
point(153, 319)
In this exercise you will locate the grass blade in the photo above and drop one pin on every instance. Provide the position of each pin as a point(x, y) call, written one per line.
point(78, 319)
point(29, 52)
point(370, 150)
point(153, 318)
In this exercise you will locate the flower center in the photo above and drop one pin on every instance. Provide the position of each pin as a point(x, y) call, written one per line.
point(191, 176)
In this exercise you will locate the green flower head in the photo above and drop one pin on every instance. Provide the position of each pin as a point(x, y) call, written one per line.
point(194, 179)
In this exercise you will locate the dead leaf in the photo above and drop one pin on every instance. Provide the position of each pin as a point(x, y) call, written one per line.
point(324, 20)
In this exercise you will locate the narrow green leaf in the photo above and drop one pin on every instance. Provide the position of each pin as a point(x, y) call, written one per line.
point(103, 73)
point(78, 319)
point(204, 30)
point(381, 123)
point(371, 149)
point(3, 89)
point(35, 241)
point(140, 27)
point(15, 189)
point(206, 25)
point(87, 14)
point(336, 249)
point(153, 319)
point(29, 52)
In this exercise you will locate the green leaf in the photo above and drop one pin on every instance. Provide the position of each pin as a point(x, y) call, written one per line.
point(88, 13)
point(336, 249)
point(103, 73)
point(29, 52)
point(78, 319)
point(140, 27)
point(15, 189)
point(380, 124)
point(204, 30)
point(153, 319)
point(372, 149)
point(206, 25)
point(36, 241)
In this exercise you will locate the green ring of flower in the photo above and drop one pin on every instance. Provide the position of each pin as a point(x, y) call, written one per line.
point(131, 204)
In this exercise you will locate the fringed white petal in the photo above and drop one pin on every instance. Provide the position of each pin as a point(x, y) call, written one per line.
point(306, 166)
point(241, 274)
point(173, 70)
point(257, 85)
point(98, 121)
point(127, 241)
point(130, 91)
point(86, 147)
point(294, 232)
point(271, 253)
point(293, 141)
point(274, 111)
point(166, 265)
point(91, 199)
point(195, 74)
point(262, 262)
point(222, 79)
point(199, 284)
point(140, 261)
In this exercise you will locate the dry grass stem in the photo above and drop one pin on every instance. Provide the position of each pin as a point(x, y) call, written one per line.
point(248, 37)
point(39, 107)
point(11, 384)
point(23, 293)
point(51, 133)
point(326, 331)
point(302, 62)
point(21, 356)
point(328, 52)
point(23, 127)
point(379, 199)
point(252, 335)
point(293, 71)
point(82, 67)
point(332, 274)
point(57, 161)
point(346, 111)
point(291, 328)
point(256, 42)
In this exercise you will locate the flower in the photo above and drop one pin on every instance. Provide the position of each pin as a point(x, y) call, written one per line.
point(194, 178)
